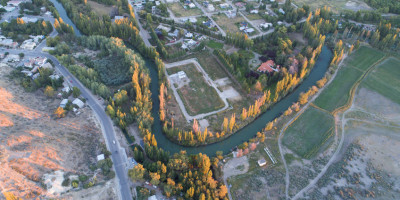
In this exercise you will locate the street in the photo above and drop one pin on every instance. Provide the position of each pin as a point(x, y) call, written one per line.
point(118, 156)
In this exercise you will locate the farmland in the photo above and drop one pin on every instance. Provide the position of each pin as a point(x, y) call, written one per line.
point(309, 132)
point(337, 93)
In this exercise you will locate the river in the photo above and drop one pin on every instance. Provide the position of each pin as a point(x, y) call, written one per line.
point(243, 134)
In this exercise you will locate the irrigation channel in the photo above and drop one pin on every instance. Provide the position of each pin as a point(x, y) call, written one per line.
point(243, 134)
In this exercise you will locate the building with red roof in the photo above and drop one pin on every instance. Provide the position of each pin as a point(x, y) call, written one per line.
point(268, 66)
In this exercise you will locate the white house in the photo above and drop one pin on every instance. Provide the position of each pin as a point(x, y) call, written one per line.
point(254, 11)
point(189, 35)
point(100, 157)
point(14, 3)
point(210, 8)
point(265, 25)
point(281, 11)
point(78, 102)
point(28, 45)
point(191, 5)
point(223, 5)
point(63, 103)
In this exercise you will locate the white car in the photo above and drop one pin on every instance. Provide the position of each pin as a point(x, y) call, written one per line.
point(113, 141)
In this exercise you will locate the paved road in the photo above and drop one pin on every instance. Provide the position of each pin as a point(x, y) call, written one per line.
point(206, 78)
point(118, 156)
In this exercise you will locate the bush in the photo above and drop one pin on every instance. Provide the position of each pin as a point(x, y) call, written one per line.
point(65, 183)
point(74, 183)
point(83, 178)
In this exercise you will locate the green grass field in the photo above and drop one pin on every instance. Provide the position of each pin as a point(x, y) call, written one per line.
point(337, 93)
point(309, 132)
point(385, 79)
point(364, 57)
point(198, 96)
point(215, 45)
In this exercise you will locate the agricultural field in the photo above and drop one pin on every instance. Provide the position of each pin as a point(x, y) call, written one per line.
point(309, 132)
point(337, 93)
point(336, 5)
point(385, 79)
point(198, 96)
point(180, 11)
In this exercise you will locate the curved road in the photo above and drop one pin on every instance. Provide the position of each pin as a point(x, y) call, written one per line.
point(118, 155)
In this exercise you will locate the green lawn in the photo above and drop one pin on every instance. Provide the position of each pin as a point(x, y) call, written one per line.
point(385, 79)
point(197, 96)
point(215, 45)
point(180, 11)
point(364, 57)
point(309, 132)
point(337, 93)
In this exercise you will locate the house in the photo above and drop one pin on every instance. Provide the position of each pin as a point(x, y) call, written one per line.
point(66, 89)
point(78, 102)
point(191, 5)
point(157, 3)
point(210, 8)
point(154, 197)
point(216, 1)
point(29, 64)
point(118, 17)
point(47, 66)
point(28, 45)
point(249, 30)
point(40, 60)
point(131, 163)
point(254, 11)
point(280, 23)
point(174, 34)
point(281, 11)
point(207, 23)
point(30, 19)
point(13, 58)
point(265, 25)
point(54, 77)
point(230, 14)
point(165, 28)
point(9, 43)
point(189, 35)
point(192, 20)
point(63, 103)
point(267, 66)
point(100, 157)
point(37, 38)
point(224, 5)
point(14, 3)
point(9, 8)
point(262, 162)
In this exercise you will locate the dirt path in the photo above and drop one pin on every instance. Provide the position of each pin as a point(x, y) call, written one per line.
point(287, 179)
point(233, 168)
point(345, 109)
point(207, 79)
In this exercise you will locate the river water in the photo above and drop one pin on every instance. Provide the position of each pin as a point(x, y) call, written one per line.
point(243, 134)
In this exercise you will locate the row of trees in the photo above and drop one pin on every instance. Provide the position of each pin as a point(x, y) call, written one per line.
point(18, 27)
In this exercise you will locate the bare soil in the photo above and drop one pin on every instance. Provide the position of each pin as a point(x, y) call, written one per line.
point(33, 143)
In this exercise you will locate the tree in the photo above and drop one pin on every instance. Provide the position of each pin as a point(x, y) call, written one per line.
point(137, 173)
point(21, 55)
point(155, 178)
point(269, 126)
point(49, 91)
point(59, 112)
point(222, 191)
point(76, 92)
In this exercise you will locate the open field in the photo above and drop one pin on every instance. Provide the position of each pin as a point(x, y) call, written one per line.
point(180, 11)
point(385, 79)
point(336, 5)
point(309, 132)
point(100, 9)
point(253, 16)
point(229, 24)
point(33, 144)
point(337, 93)
point(211, 65)
point(364, 57)
point(198, 96)
point(215, 45)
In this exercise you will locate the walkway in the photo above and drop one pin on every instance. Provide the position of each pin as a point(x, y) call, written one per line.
point(206, 78)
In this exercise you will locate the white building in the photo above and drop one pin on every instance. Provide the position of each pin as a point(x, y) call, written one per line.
point(210, 8)
point(254, 11)
point(100, 157)
point(28, 45)
point(14, 3)
point(281, 11)
point(230, 14)
point(189, 35)
point(63, 103)
point(78, 102)
point(30, 19)
point(191, 5)
point(265, 25)
point(262, 162)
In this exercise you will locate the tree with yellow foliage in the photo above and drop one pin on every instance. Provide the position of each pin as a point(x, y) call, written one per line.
point(60, 112)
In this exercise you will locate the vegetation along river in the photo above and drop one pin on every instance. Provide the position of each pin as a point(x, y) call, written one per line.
point(243, 134)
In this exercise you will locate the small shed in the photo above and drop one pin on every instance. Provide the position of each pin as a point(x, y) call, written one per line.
point(100, 157)
point(262, 162)
point(63, 103)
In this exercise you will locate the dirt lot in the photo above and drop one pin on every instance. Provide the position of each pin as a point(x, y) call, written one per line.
point(33, 143)
point(228, 24)
point(180, 11)
point(336, 5)
point(100, 9)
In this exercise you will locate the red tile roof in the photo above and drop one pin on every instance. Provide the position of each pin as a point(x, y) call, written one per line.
point(267, 66)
